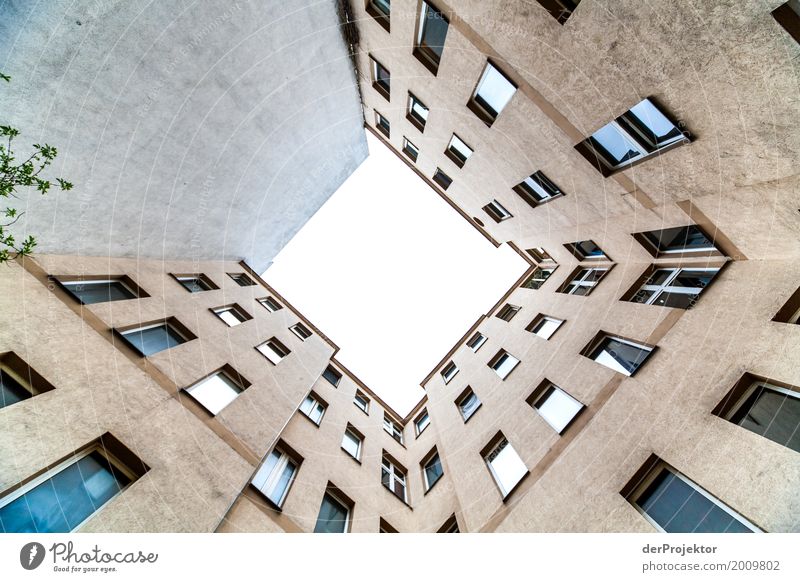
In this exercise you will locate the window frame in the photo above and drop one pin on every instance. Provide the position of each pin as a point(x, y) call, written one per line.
point(454, 154)
point(540, 319)
point(265, 303)
point(22, 374)
point(317, 403)
point(441, 179)
point(377, 81)
point(665, 287)
point(528, 283)
point(461, 399)
point(275, 343)
point(397, 473)
point(234, 308)
point(204, 281)
point(379, 118)
point(352, 431)
point(789, 18)
point(423, 53)
point(234, 378)
point(495, 363)
point(242, 279)
point(575, 250)
point(427, 460)
point(531, 196)
point(300, 331)
point(507, 312)
point(393, 428)
point(654, 471)
point(333, 492)
point(423, 414)
point(124, 281)
point(170, 322)
point(500, 441)
point(595, 347)
point(446, 374)
point(285, 456)
point(561, 10)
point(417, 120)
point(540, 396)
point(381, 17)
point(336, 372)
point(650, 240)
point(481, 111)
point(410, 150)
point(497, 211)
point(579, 279)
point(476, 342)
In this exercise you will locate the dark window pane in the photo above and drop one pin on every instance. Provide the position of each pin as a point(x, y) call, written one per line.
point(11, 391)
point(194, 285)
point(332, 376)
point(89, 293)
point(773, 415)
point(679, 300)
point(679, 238)
point(625, 355)
point(690, 278)
point(155, 339)
point(433, 470)
point(679, 508)
point(332, 516)
point(65, 500)
point(434, 30)
point(383, 6)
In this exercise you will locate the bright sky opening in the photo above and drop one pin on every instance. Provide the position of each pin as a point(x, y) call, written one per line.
point(392, 274)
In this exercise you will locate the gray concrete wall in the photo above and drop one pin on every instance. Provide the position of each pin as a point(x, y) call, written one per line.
point(197, 131)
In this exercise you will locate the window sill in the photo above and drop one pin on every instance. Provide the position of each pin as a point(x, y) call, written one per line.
point(351, 456)
point(382, 19)
point(393, 494)
point(416, 122)
point(361, 409)
point(427, 61)
point(481, 113)
point(382, 91)
point(304, 415)
point(454, 158)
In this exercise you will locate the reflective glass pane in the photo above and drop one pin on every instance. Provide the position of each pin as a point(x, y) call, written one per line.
point(155, 339)
point(433, 470)
point(11, 391)
point(617, 145)
point(66, 499)
point(619, 356)
point(215, 392)
point(558, 408)
point(650, 119)
point(772, 414)
point(332, 516)
point(508, 467)
point(494, 91)
point(99, 292)
point(433, 30)
point(678, 507)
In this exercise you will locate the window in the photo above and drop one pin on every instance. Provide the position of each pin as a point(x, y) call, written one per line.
point(450, 526)
point(393, 428)
point(539, 254)
point(410, 150)
point(421, 422)
point(468, 403)
point(767, 408)
point(18, 381)
point(442, 179)
point(432, 31)
point(636, 135)
point(385, 527)
point(334, 513)
point(195, 283)
point(586, 250)
point(492, 94)
point(276, 475)
point(332, 375)
point(561, 10)
point(101, 290)
point(314, 408)
point(555, 406)
point(788, 16)
point(790, 312)
point(507, 312)
point(218, 390)
point(380, 78)
point(431, 469)
point(155, 337)
point(273, 350)
point(449, 372)
point(544, 326)
point(674, 504)
point(270, 304)
point(503, 364)
point(64, 497)
point(583, 281)
point(537, 189)
point(381, 11)
point(351, 442)
point(539, 276)
point(232, 315)
point(382, 124)
point(677, 240)
point(674, 287)
point(241, 279)
point(301, 331)
point(417, 112)
point(361, 400)
point(621, 355)
point(497, 211)
point(393, 477)
point(458, 151)
point(504, 463)
point(476, 341)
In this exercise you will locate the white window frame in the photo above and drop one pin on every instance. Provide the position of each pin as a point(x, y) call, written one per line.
point(449, 372)
point(538, 271)
point(458, 152)
point(272, 354)
point(489, 66)
point(315, 405)
point(274, 476)
point(538, 322)
point(412, 99)
point(492, 455)
point(361, 401)
point(165, 323)
point(234, 311)
point(300, 330)
point(656, 470)
point(393, 429)
point(507, 312)
point(497, 362)
point(115, 463)
point(408, 145)
point(460, 404)
point(355, 437)
point(265, 302)
point(424, 466)
point(201, 281)
point(476, 341)
point(422, 417)
point(545, 395)
point(108, 281)
point(581, 280)
point(230, 382)
point(666, 286)
point(498, 211)
point(595, 351)
point(347, 506)
point(395, 475)
point(242, 277)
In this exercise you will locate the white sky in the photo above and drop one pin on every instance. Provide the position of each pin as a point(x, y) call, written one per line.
point(392, 275)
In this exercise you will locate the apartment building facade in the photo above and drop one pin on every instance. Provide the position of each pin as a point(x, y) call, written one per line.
point(644, 362)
